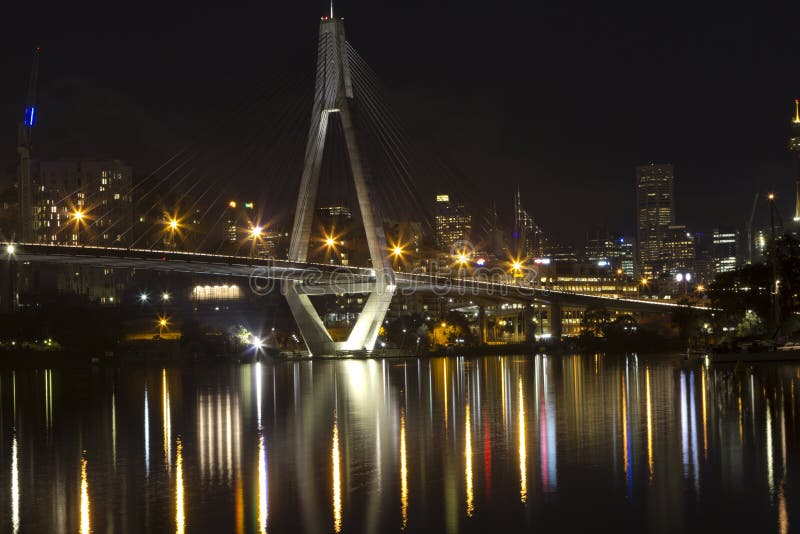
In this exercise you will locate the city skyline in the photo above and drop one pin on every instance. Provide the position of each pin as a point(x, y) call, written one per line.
point(728, 140)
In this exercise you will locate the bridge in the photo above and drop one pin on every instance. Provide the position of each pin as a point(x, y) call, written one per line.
point(314, 279)
point(336, 95)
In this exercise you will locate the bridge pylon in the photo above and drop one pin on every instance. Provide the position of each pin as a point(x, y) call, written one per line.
point(334, 94)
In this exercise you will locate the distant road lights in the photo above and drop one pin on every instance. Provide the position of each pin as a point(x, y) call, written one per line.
point(162, 322)
point(462, 258)
point(78, 215)
point(10, 249)
point(256, 231)
point(397, 251)
point(700, 288)
point(165, 296)
point(257, 343)
point(619, 272)
point(330, 242)
point(173, 224)
point(771, 196)
point(516, 265)
point(143, 297)
point(644, 281)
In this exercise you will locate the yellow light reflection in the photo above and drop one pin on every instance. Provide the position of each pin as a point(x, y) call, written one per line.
point(468, 463)
point(624, 427)
point(337, 481)
point(523, 454)
point(180, 518)
point(403, 470)
point(703, 372)
point(14, 484)
point(165, 417)
point(262, 486)
point(649, 423)
point(85, 527)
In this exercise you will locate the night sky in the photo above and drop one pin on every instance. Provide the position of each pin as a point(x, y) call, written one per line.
point(563, 99)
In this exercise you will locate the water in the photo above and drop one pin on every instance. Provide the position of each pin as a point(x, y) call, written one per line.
point(504, 444)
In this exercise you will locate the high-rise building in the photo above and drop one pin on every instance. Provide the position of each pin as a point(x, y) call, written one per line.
point(83, 201)
point(724, 249)
point(655, 212)
point(794, 146)
point(614, 249)
point(526, 233)
point(559, 252)
point(453, 223)
point(677, 251)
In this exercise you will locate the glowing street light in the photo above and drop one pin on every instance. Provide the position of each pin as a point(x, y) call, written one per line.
point(330, 242)
point(173, 224)
point(257, 343)
point(143, 297)
point(397, 251)
point(10, 249)
point(644, 281)
point(163, 323)
point(256, 231)
point(700, 288)
point(165, 296)
point(516, 265)
point(78, 215)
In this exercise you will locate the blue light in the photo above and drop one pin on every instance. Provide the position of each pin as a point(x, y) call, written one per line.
point(33, 112)
point(30, 113)
point(516, 235)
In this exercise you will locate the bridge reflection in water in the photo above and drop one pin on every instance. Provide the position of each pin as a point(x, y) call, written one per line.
point(400, 445)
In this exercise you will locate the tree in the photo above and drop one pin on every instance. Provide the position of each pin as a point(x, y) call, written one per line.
point(595, 320)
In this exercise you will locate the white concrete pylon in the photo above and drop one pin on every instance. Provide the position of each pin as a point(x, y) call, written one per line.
point(334, 94)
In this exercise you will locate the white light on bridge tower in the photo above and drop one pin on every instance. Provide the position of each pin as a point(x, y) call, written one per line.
point(334, 94)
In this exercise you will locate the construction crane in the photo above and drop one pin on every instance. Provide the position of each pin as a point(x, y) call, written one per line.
point(24, 147)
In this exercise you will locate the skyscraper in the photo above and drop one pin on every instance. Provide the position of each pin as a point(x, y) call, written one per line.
point(453, 223)
point(614, 249)
point(526, 233)
point(794, 146)
point(655, 212)
point(724, 248)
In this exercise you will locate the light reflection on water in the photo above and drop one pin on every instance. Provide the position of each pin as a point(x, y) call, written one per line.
point(414, 445)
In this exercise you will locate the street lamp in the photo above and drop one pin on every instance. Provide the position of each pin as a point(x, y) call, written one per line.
point(78, 216)
point(165, 296)
point(685, 278)
point(256, 231)
point(10, 249)
point(162, 324)
point(143, 297)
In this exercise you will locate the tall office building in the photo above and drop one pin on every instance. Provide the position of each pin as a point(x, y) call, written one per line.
point(614, 249)
point(526, 233)
point(453, 223)
point(100, 190)
point(724, 249)
point(794, 146)
point(677, 251)
point(655, 213)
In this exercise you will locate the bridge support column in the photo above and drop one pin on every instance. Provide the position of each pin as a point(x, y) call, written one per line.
point(556, 324)
point(334, 96)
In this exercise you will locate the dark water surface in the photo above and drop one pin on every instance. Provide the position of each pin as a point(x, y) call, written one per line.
point(502, 444)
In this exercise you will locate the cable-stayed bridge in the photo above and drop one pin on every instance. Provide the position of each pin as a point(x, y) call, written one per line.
point(351, 134)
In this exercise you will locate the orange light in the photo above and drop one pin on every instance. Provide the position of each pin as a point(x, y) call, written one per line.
point(173, 224)
point(232, 203)
point(330, 241)
point(771, 196)
point(256, 231)
point(644, 281)
point(78, 215)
